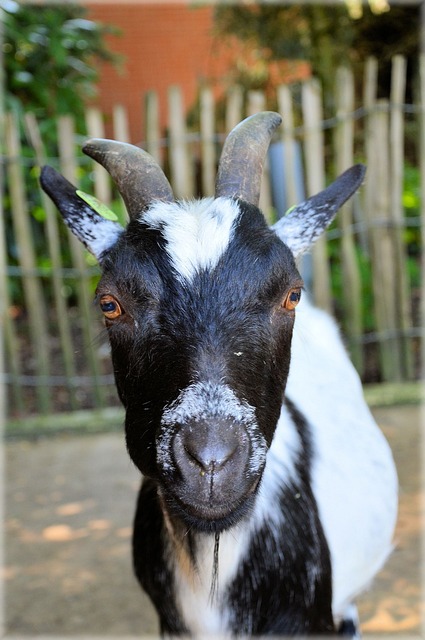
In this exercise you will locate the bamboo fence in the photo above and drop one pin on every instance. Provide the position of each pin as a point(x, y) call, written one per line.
point(55, 348)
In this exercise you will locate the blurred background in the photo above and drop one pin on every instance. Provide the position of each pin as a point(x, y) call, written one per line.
point(175, 78)
point(349, 80)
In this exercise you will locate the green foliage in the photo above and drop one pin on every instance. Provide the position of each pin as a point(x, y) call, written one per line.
point(412, 233)
point(50, 53)
point(293, 31)
point(338, 283)
point(412, 239)
point(321, 35)
point(325, 35)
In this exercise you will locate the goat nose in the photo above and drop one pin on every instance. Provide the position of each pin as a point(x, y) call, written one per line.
point(209, 458)
point(208, 450)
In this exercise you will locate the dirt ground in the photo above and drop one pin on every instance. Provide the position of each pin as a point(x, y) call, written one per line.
point(69, 503)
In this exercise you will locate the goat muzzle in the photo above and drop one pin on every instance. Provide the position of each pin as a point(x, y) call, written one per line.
point(212, 477)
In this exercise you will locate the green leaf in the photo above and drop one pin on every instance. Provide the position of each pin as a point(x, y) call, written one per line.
point(410, 200)
point(98, 206)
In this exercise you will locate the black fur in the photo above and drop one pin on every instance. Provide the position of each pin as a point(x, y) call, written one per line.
point(284, 585)
point(169, 332)
point(185, 331)
point(149, 558)
point(349, 629)
point(286, 578)
point(227, 328)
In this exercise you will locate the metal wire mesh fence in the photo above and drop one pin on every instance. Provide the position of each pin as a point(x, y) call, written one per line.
point(367, 270)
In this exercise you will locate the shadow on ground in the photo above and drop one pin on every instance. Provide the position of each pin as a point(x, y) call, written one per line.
point(69, 505)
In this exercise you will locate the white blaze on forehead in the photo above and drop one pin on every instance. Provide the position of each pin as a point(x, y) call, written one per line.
point(196, 233)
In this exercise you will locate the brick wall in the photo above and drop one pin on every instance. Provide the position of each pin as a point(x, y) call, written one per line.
point(163, 44)
point(168, 44)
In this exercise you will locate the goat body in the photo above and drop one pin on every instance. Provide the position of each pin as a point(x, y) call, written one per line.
point(269, 495)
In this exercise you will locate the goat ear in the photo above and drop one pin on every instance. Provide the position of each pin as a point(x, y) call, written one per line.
point(304, 223)
point(96, 233)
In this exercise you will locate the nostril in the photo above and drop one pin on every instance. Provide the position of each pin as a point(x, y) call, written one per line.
point(210, 454)
point(208, 460)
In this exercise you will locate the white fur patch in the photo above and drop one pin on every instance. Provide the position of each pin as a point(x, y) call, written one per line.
point(200, 614)
point(303, 225)
point(106, 236)
point(279, 472)
point(196, 233)
point(206, 400)
point(353, 473)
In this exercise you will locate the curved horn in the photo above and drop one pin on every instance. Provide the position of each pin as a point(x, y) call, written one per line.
point(140, 180)
point(242, 159)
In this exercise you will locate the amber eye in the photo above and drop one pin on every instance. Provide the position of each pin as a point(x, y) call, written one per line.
point(292, 298)
point(110, 307)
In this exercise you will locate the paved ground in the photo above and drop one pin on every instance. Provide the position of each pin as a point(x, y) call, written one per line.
point(69, 507)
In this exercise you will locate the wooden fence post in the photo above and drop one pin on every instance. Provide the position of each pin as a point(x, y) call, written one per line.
point(34, 296)
point(382, 249)
point(121, 126)
point(180, 167)
point(153, 137)
point(9, 342)
point(344, 158)
point(96, 129)
point(401, 283)
point(68, 165)
point(234, 107)
point(257, 103)
point(122, 134)
point(207, 142)
point(284, 99)
point(370, 96)
point(53, 244)
point(12, 371)
point(315, 179)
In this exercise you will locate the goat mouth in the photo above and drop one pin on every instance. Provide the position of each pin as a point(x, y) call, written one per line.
point(207, 517)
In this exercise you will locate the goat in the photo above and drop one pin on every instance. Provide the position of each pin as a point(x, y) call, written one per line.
point(269, 495)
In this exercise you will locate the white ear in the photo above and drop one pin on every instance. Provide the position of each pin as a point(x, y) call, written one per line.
point(301, 227)
point(96, 233)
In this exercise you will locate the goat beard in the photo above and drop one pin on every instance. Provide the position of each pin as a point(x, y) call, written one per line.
point(171, 526)
point(214, 576)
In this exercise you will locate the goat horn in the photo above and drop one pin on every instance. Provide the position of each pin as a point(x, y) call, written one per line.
point(140, 180)
point(241, 164)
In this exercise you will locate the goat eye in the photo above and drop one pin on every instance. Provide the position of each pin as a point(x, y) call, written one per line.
point(291, 300)
point(111, 309)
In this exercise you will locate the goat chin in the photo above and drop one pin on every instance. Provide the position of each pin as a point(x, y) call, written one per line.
point(203, 519)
